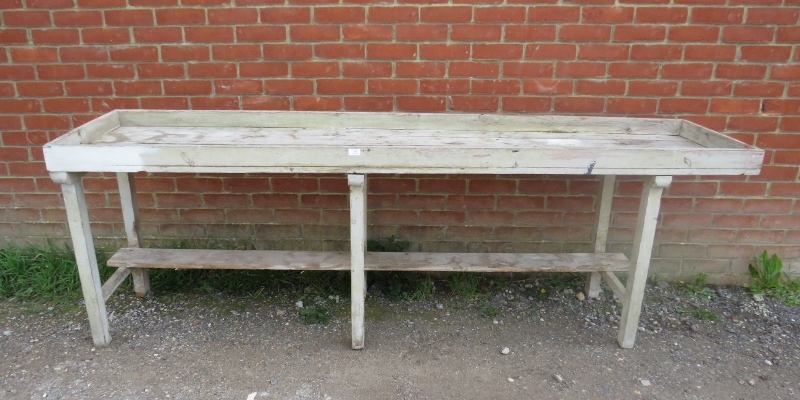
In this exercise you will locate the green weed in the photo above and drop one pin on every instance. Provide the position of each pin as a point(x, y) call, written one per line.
point(463, 284)
point(697, 288)
point(489, 311)
point(700, 313)
point(314, 315)
point(768, 279)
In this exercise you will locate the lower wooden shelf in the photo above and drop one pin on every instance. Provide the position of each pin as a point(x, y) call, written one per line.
point(340, 261)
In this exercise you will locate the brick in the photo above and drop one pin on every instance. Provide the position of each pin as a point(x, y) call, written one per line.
point(404, 217)
point(727, 206)
point(772, 15)
point(527, 69)
point(473, 69)
point(212, 70)
point(39, 89)
point(710, 52)
point(393, 14)
point(160, 70)
point(288, 86)
point(317, 103)
point(47, 122)
point(547, 86)
point(706, 88)
point(687, 71)
point(600, 87)
point(781, 221)
point(185, 53)
point(187, 87)
point(554, 14)
point(420, 32)
point(340, 86)
point(497, 51)
point(474, 103)
point(502, 14)
point(444, 51)
point(105, 35)
point(78, 18)
point(339, 15)
point(686, 220)
point(788, 34)
point(785, 106)
point(496, 86)
point(653, 15)
point(444, 86)
point(180, 16)
point(214, 103)
point(50, 3)
point(611, 15)
point(631, 105)
point(367, 32)
point(747, 34)
point(585, 33)
point(570, 203)
point(286, 15)
point(392, 86)
point(211, 34)
point(236, 52)
point(27, 18)
point(65, 105)
point(490, 218)
point(60, 71)
point(288, 51)
point(238, 86)
point(157, 34)
point(165, 103)
point(777, 173)
point(580, 69)
point(740, 71)
point(315, 68)
point(788, 72)
point(392, 185)
point(683, 105)
point(768, 206)
point(735, 106)
point(603, 52)
point(766, 54)
point(369, 103)
point(34, 54)
point(55, 36)
point(137, 88)
point(578, 104)
point(470, 33)
point(266, 103)
point(225, 16)
point(736, 221)
point(636, 33)
point(446, 14)
point(391, 51)
point(717, 15)
point(421, 103)
point(784, 189)
point(89, 88)
point(314, 33)
point(367, 69)
point(14, 153)
point(129, 17)
point(13, 36)
point(134, 53)
point(340, 50)
point(694, 33)
point(537, 218)
point(656, 52)
point(529, 33)
point(633, 70)
point(260, 33)
point(17, 184)
point(420, 69)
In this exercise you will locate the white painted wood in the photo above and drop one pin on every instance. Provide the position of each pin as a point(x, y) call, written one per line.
point(614, 283)
point(78, 218)
point(90, 131)
point(602, 221)
point(358, 249)
point(640, 258)
point(114, 281)
point(130, 216)
point(708, 138)
point(374, 261)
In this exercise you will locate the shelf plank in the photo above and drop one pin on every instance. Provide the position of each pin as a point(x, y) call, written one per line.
point(340, 261)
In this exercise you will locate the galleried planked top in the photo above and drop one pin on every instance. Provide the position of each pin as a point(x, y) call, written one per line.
point(344, 142)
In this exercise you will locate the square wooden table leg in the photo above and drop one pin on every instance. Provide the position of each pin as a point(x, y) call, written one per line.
point(130, 215)
point(605, 196)
point(358, 248)
point(83, 244)
point(640, 258)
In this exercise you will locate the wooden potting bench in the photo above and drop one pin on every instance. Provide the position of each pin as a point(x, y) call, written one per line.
point(357, 144)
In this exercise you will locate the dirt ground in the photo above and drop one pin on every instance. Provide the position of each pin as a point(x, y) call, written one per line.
point(445, 347)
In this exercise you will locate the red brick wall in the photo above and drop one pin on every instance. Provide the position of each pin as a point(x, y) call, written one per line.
point(732, 65)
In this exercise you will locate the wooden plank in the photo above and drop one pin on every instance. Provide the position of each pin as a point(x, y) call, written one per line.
point(640, 258)
point(358, 249)
point(614, 283)
point(83, 246)
point(114, 281)
point(395, 120)
point(340, 261)
point(708, 138)
point(602, 222)
point(130, 216)
point(391, 160)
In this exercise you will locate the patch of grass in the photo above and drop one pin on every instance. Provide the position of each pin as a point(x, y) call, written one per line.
point(405, 285)
point(489, 311)
point(464, 284)
point(768, 279)
point(697, 288)
point(48, 273)
point(700, 313)
point(314, 315)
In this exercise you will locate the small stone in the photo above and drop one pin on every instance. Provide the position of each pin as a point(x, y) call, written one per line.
point(494, 321)
point(662, 285)
point(758, 297)
point(273, 381)
point(505, 351)
point(695, 328)
point(559, 378)
point(644, 382)
point(581, 296)
point(299, 304)
point(439, 306)
point(768, 362)
point(6, 333)
point(640, 329)
point(511, 380)
point(742, 382)
point(751, 382)
point(280, 312)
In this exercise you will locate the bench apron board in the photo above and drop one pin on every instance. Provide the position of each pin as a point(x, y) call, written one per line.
point(359, 144)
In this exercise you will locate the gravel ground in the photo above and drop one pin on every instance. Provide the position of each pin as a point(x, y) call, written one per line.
point(559, 347)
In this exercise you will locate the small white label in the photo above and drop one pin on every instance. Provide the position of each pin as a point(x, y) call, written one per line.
point(353, 152)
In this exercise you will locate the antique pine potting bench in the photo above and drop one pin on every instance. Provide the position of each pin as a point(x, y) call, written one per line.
point(357, 144)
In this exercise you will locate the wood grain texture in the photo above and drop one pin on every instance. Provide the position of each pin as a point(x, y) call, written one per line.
point(130, 216)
